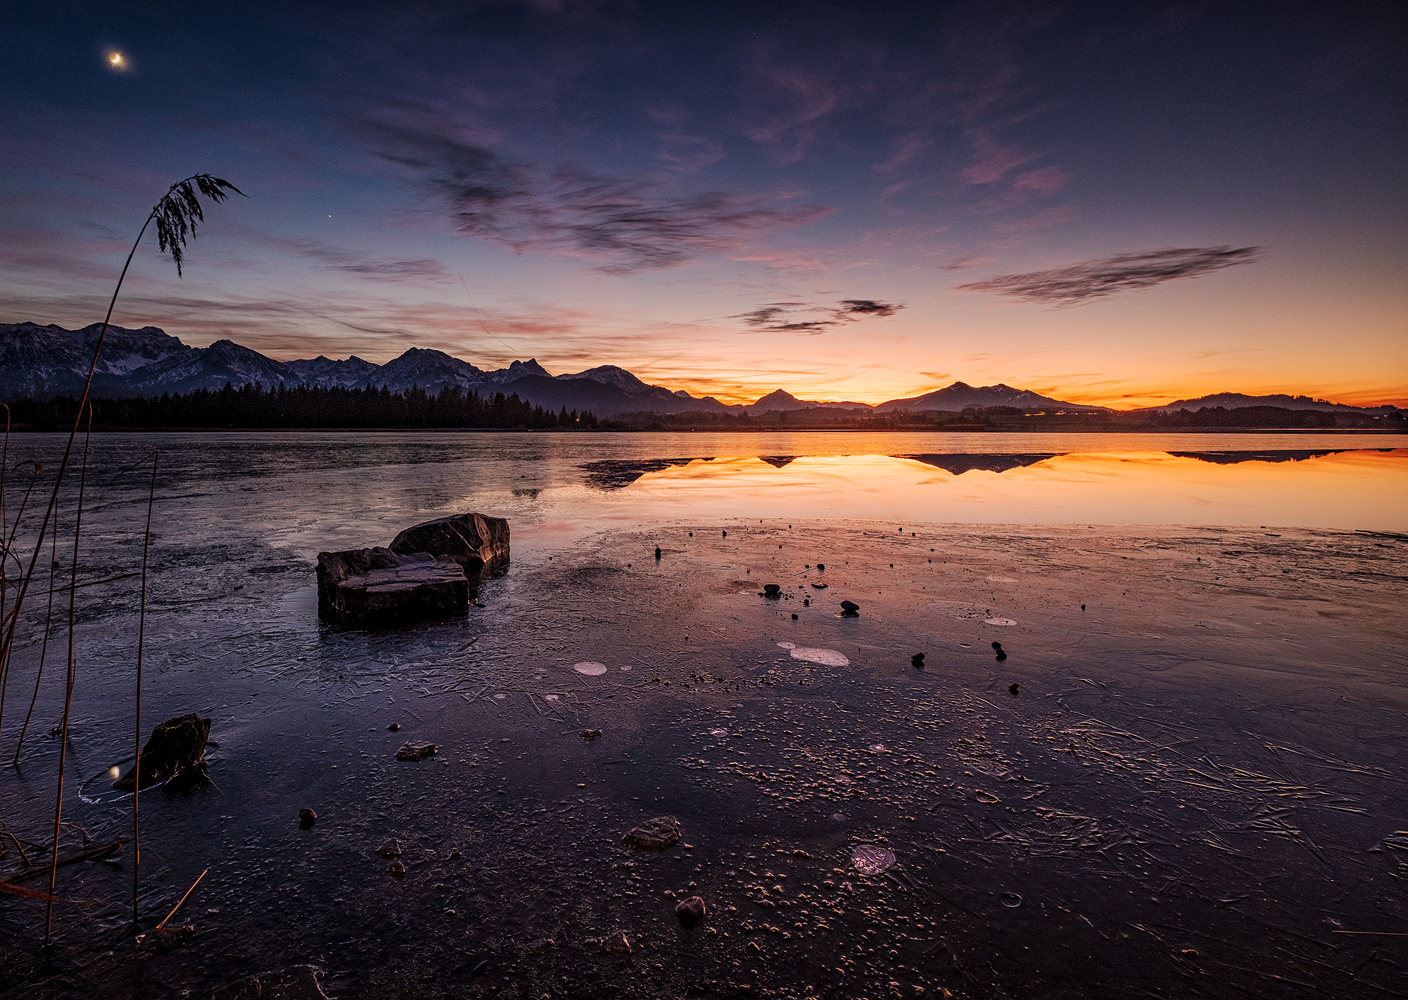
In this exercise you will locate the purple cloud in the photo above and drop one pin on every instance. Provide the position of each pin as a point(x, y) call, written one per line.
point(798, 317)
point(1095, 279)
point(627, 224)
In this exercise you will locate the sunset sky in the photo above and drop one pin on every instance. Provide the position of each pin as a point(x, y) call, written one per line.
point(732, 198)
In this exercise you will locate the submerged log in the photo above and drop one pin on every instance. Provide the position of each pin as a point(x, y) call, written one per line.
point(381, 587)
point(477, 542)
point(175, 750)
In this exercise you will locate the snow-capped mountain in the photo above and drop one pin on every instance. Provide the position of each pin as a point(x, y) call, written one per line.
point(961, 395)
point(353, 373)
point(221, 362)
point(49, 359)
point(613, 375)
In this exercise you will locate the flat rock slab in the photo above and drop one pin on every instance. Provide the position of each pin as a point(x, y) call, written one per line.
point(414, 750)
point(380, 587)
point(176, 748)
point(655, 834)
point(477, 542)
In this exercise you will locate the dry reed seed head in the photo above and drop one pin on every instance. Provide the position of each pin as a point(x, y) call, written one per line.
point(179, 212)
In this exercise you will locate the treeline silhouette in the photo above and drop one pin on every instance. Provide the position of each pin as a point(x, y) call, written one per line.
point(253, 406)
point(1012, 418)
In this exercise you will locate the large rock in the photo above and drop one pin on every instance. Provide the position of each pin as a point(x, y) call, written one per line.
point(175, 750)
point(477, 542)
point(381, 587)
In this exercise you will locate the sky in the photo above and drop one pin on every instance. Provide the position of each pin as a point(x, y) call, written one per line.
point(1121, 204)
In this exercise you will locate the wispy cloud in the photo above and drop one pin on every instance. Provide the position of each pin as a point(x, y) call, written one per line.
point(798, 317)
point(1095, 279)
point(626, 224)
point(363, 265)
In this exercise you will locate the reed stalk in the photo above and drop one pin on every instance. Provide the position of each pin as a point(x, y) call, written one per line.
point(68, 690)
point(141, 634)
point(43, 648)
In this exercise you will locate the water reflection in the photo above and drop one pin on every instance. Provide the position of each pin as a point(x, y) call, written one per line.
point(615, 474)
point(1326, 487)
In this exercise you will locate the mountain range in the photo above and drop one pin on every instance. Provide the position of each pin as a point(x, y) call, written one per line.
point(44, 361)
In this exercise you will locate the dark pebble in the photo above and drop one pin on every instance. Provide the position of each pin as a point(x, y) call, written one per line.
point(394, 726)
point(794, 616)
point(590, 734)
point(821, 566)
point(850, 608)
point(772, 590)
point(657, 552)
point(1082, 607)
point(690, 911)
point(997, 645)
point(1002, 654)
point(306, 818)
point(1012, 688)
point(917, 659)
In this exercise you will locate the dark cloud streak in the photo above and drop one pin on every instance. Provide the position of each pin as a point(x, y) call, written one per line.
point(798, 317)
point(628, 224)
point(1095, 279)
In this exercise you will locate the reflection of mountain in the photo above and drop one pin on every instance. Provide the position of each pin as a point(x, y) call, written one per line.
point(777, 461)
point(959, 464)
point(618, 473)
point(1233, 457)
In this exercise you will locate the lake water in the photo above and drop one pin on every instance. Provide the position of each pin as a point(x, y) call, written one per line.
point(1197, 789)
point(313, 491)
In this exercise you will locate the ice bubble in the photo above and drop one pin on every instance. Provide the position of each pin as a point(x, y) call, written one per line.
point(787, 645)
point(826, 657)
point(718, 733)
point(999, 621)
point(589, 668)
point(501, 696)
point(626, 667)
point(870, 859)
point(1002, 579)
point(549, 697)
point(877, 748)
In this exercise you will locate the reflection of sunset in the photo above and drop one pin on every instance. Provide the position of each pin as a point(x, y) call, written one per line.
point(1354, 489)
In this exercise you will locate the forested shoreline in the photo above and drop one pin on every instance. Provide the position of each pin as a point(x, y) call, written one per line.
point(253, 407)
point(301, 407)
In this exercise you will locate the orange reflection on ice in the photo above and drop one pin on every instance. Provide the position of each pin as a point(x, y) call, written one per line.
point(1352, 489)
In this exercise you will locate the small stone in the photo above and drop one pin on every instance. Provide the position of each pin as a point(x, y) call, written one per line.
point(657, 552)
point(917, 660)
point(1189, 953)
point(850, 608)
point(590, 734)
point(617, 945)
point(655, 834)
point(821, 566)
point(390, 849)
point(1012, 688)
point(997, 645)
point(1002, 654)
point(396, 870)
point(393, 727)
point(806, 602)
point(794, 616)
point(306, 818)
point(821, 586)
point(690, 911)
point(772, 590)
point(415, 750)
